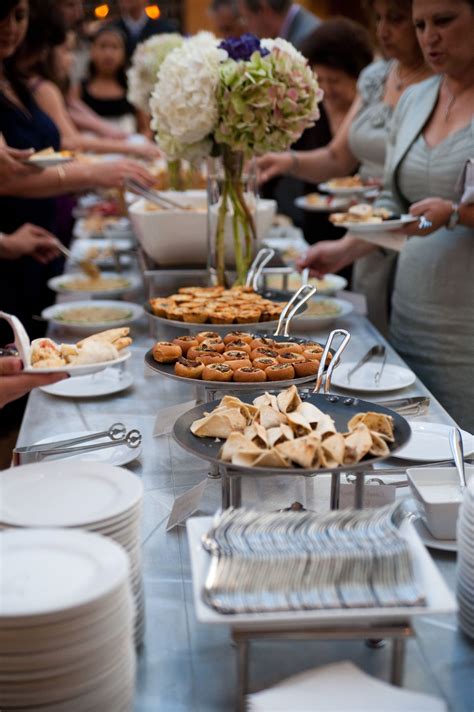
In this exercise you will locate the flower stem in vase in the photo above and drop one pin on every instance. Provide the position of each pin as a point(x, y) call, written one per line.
point(220, 234)
point(174, 172)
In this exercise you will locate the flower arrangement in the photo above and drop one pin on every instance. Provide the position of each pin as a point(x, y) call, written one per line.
point(238, 98)
point(144, 66)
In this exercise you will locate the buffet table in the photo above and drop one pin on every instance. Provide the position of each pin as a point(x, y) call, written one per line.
point(185, 665)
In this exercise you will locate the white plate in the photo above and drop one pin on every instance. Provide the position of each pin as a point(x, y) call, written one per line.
point(66, 494)
point(59, 284)
point(327, 188)
point(85, 369)
point(49, 571)
point(110, 381)
point(428, 539)
point(330, 284)
point(134, 311)
point(393, 378)
point(308, 322)
point(49, 161)
point(439, 598)
point(429, 442)
point(118, 455)
point(335, 205)
point(358, 228)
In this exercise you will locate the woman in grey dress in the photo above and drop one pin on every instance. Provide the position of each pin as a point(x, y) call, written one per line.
point(432, 136)
point(361, 142)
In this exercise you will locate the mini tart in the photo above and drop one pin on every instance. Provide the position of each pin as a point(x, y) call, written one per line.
point(265, 362)
point(166, 352)
point(313, 345)
point(226, 316)
point(160, 307)
point(236, 355)
point(249, 374)
point(206, 357)
point(263, 351)
point(186, 368)
point(289, 346)
point(313, 354)
point(238, 363)
point(263, 342)
point(248, 316)
point(239, 345)
point(217, 372)
point(186, 343)
point(281, 372)
point(306, 368)
point(205, 335)
point(213, 344)
point(238, 336)
point(195, 316)
point(174, 313)
point(181, 298)
point(290, 357)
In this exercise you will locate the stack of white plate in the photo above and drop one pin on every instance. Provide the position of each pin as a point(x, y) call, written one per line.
point(66, 623)
point(91, 496)
point(465, 570)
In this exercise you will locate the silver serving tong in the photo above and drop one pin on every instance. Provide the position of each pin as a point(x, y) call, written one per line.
point(153, 196)
point(294, 305)
point(455, 441)
point(335, 361)
point(262, 258)
point(416, 405)
point(376, 350)
point(117, 434)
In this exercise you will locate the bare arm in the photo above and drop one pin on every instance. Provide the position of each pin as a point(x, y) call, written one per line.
point(335, 159)
point(85, 119)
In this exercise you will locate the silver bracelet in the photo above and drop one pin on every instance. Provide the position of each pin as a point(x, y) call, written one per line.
point(295, 162)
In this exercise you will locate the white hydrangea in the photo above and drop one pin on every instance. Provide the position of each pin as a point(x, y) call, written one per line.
point(145, 64)
point(283, 45)
point(184, 103)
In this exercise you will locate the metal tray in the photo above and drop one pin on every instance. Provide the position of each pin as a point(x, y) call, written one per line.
point(340, 408)
point(167, 369)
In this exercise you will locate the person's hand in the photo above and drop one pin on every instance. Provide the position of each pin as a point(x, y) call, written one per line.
point(273, 164)
point(15, 384)
point(147, 150)
point(436, 210)
point(328, 256)
point(29, 240)
point(11, 163)
point(114, 174)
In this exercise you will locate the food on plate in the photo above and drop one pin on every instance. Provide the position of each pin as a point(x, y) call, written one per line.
point(50, 154)
point(92, 315)
point(361, 213)
point(291, 359)
point(346, 182)
point(283, 431)
point(99, 284)
point(216, 305)
point(96, 223)
point(238, 336)
point(98, 348)
point(166, 352)
point(322, 308)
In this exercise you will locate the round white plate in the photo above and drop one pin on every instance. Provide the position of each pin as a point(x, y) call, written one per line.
point(133, 312)
point(85, 369)
point(393, 378)
point(49, 161)
point(104, 383)
point(307, 322)
point(428, 539)
point(49, 571)
point(66, 493)
point(330, 284)
point(429, 442)
point(59, 284)
point(328, 188)
point(325, 206)
point(386, 226)
point(118, 455)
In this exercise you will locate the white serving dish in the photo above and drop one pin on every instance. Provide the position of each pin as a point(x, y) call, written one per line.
point(439, 598)
point(429, 442)
point(439, 492)
point(133, 311)
point(327, 287)
point(309, 322)
point(60, 284)
point(179, 237)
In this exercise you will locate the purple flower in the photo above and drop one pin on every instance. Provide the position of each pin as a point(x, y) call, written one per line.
point(242, 48)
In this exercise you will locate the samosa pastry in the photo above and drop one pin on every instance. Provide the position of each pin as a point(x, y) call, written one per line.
point(267, 399)
point(298, 424)
point(303, 452)
point(310, 413)
point(279, 435)
point(245, 458)
point(269, 418)
point(359, 440)
point(271, 458)
point(333, 448)
point(379, 446)
point(289, 400)
point(247, 410)
point(325, 426)
point(234, 444)
point(256, 433)
point(378, 422)
point(219, 424)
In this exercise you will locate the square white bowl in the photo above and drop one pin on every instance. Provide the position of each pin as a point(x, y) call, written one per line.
point(436, 488)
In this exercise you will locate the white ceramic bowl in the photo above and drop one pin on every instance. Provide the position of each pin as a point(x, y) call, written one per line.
point(309, 322)
point(438, 490)
point(179, 237)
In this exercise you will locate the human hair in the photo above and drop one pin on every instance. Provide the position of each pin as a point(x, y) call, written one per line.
point(121, 75)
point(6, 7)
point(400, 5)
point(231, 4)
point(46, 30)
point(339, 43)
point(278, 6)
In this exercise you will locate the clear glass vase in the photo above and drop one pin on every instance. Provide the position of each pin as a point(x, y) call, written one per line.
point(232, 209)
